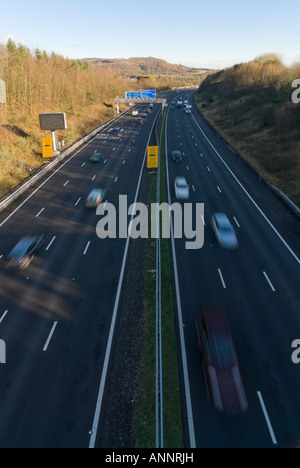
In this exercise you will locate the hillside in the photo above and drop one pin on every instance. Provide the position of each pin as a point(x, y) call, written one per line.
point(148, 66)
point(37, 82)
point(137, 66)
point(251, 105)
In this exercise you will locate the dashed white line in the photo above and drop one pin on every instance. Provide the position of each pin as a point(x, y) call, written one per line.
point(219, 189)
point(40, 212)
point(236, 222)
point(123, 163)
point(222, 279)
point(83, 164)
point(269, 281)
point(50, 336)
point(87, 248)
point(77, 201)
point(116, 179)
point(105, 161)
point(193, 187)
point(51, 243)
point(66, 183)
point(3, 316)
point(262, 403)
point(94, 177)
point(208, 168)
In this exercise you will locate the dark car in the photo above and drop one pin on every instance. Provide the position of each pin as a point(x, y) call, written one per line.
point(96, 157)
point(116, 131)
point(224, 380)
point(23, 253)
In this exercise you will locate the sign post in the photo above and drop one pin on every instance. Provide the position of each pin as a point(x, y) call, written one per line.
point(53, 121)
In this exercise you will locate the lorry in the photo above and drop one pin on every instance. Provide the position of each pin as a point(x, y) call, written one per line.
point(135, 113)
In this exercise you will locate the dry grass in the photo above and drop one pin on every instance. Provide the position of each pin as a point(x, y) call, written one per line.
point(253, 111)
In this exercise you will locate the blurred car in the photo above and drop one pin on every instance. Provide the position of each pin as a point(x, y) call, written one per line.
point(23, 253)
point(182, 190)
point(144, 114)
point(224, 380)
point(95, 198)
point(96, 157)
point(116, 131)
point(139, 120)
point(177, 156)
point(224, 231)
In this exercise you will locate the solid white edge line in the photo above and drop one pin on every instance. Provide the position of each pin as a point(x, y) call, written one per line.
point(262, 403)
point(248, 195)
point(94, 430)
point(189, 408)
point(50, 336)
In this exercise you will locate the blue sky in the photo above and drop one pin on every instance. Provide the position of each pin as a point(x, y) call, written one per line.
point(216, 33)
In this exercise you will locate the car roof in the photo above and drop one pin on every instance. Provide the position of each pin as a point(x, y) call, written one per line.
point(222, 219)
point(22, 245)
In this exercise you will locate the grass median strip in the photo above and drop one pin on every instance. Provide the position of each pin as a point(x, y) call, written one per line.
point(173, 432)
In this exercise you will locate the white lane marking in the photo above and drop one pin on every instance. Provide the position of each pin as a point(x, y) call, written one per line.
point(219, 189)
point(236, 221)
point(3, 316)
point(129, 150)
point(105, 161)
point(87, 248)
point(113, 321)
point(94, 177)
point(187, 168)
point(222, 279)
point(40, 212)
point(66, 183)
point(51, 243)
point(83, 164)
point(50, 336)
point(208, 168)
point(188, 400)
point(193, 187)
point(262, 403)
point(45, 182)
point(123, 162)
point(269, 281)
point(116, 179)
point(248, 195)
point(78, 201)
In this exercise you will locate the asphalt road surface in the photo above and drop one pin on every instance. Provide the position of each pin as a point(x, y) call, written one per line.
point(55, 316)
point(258, 285)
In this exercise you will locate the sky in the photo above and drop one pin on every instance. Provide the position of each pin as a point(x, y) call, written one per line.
point(198, 33)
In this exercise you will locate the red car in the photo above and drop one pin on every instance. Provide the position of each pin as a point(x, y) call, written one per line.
point(224, 380)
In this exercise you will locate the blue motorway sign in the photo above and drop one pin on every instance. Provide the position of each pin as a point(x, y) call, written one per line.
point(133, 95)
point(148, 93)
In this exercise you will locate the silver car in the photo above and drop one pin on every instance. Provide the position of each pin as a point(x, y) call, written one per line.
point(224, 231)
point(182, 190)
point(23, 253)
point(95, 198)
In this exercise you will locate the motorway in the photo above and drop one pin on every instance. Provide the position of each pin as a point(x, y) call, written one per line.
point(56, 316)
point(258, 285)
